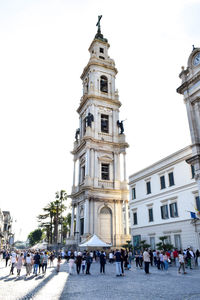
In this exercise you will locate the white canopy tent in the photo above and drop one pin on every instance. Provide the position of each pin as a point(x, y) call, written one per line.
point(95, 241)
point(40, 246)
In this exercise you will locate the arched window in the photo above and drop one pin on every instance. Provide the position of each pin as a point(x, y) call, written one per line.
point(105, 223)
point(104, 84)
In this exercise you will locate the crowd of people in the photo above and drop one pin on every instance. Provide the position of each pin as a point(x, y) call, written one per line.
point(36, 262)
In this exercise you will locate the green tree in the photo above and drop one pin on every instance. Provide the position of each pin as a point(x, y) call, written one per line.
point(144, 245)
point(162, 245)
point(35, 236)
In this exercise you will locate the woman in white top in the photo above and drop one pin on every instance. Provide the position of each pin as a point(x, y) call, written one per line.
point(29, 263)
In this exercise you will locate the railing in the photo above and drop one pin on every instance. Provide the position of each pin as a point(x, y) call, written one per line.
point(105, 184)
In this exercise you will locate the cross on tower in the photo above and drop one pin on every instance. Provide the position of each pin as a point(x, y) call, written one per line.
point(98, 24)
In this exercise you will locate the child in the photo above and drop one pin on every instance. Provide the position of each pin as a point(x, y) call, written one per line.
point(71, 264)
point(83, 265)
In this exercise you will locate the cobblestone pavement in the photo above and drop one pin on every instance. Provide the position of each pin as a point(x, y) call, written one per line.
point(159, 285)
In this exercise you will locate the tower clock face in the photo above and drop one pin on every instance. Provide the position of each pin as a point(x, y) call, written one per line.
point(196, 59)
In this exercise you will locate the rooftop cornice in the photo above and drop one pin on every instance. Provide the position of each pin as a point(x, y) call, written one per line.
point(186, 84)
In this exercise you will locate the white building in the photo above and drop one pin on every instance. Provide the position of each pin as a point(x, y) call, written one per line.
point(161, 198)
point(100, 189)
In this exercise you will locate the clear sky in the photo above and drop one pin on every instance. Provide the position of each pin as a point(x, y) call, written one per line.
point(44, 48)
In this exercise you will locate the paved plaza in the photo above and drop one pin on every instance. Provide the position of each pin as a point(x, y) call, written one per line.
point(159, 285)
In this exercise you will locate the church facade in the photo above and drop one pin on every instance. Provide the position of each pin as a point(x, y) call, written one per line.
point(99, 192)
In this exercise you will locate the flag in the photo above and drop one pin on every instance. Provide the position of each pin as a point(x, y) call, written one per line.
point(193, 215)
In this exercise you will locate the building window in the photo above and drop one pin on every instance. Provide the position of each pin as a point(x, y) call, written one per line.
point(164, 212)
point(148, 185)
point(82, 173)
point(102, 58)
point(197, 202)
point(152, 243)
point(133, 193)
point(81, 226)
point(171, 178)
point(84, 126)
point(105, 171)
point(162, 182)
point(103, 82)
point(105, 123)
point(150, 214)
point(134, 218)
point(177, 241)
point(168, 239)
point(136, 241)
point(173, 210)
point(192, 171)
point(101, 50)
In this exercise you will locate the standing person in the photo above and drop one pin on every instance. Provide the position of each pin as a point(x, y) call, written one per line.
point(13, 262)
point(29, 263)
point(36, 260)
point(130, 256)
point(141, 260)
point(20, 260)
point(137, 259)
point(146, 258)
point(158, 260)
point(58, 263)
point(78, 262)
point(51, 258)
point(88, 263)
point(7, 257)
point(181, 262)
point(151, 257)
point(175, 255)
point(83, 264)
point(71, 264)
point(125, 260)
point(102, 259)
point(188, 258)
point(110, 256)
point(122, 261)
point(197, 257)
point(161, 261)
point(155, 257)
point(165, 261)
point(118, 263)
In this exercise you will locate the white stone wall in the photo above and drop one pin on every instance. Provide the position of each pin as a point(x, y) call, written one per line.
point(183, 192)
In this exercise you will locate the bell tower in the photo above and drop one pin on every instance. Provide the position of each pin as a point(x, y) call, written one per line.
point(100, 192)
point(190, 89)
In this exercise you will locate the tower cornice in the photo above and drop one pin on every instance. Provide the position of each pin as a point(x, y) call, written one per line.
point(95, 62)
point(87, 97)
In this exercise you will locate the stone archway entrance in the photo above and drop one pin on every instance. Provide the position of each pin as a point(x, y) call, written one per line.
point(105, 226)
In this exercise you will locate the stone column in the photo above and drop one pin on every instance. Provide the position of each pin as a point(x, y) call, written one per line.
point(87, 162)
point(92, 163)
point(74, 173)
point(72, 222)
point(77, 221)
point(118, 167)
point(126, 217)
point(86, 217)
point(124, 158)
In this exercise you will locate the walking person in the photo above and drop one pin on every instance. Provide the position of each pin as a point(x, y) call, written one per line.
point(137, 259)
point(13, 262)
point(44, 262)
point(19, 264)
point(36, 260)
point(78, 262)
point(181, 262)
point(141, 260)
point(146, 258)
point(29, 263)
point(130, 256)
point(7, 257)
point(118, 263)
point(83, 264)
point(102, 259)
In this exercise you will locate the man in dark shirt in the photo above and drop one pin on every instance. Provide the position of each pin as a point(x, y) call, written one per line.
point(36, 259)
point(118, 258)
point(102, 259)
